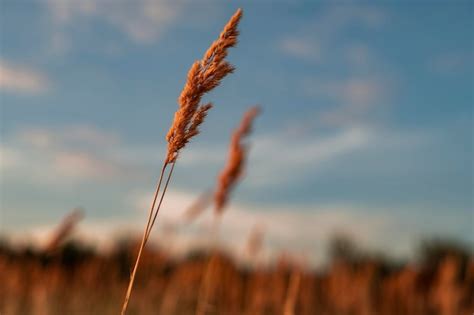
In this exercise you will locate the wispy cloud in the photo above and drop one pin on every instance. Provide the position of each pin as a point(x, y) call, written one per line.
point(316, 223)
point(283, 157)
point(316, 39)
point(8, 157)
point(302, 48)
point(360, 87)
point(274, 158)
point(21, 79)
point(353, 100)
point(371, 228)
point(354, 91)
point(72, 136)
point(61, 155)
point(142, 21)
point(78, 165)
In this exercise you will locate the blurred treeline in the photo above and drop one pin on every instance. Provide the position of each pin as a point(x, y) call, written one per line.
point(74, 279)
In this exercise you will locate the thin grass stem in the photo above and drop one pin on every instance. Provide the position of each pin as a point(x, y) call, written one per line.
point(161, 200)
point(143, 242)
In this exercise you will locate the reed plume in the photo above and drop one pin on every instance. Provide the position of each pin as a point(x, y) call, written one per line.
point(226, 181)
point(233, 170)
point(63, 230)
point(204, 75)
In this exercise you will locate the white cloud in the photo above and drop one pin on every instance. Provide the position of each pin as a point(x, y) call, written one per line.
point(79, 153)
point(61, 155)
point(142, 21)
point(176, 202)
point(303, 229)
point(306, 228)
point(363, 89)
point(72, 136)
point(83, 165)
point(353, 100)
point(317, 38)
point(20, 79)
point(360, 91)
point(276, 157)
point(302, 48)
point(199, 155)
point(283, 156)
point(8, 157)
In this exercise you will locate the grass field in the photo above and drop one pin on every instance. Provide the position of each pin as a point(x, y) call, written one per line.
point(77, 280)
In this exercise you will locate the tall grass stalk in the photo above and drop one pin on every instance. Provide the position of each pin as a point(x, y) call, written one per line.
point(203, 76)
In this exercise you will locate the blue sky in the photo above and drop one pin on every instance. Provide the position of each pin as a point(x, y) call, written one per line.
point(366, 125)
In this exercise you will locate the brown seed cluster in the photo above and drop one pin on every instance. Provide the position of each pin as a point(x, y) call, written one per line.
point(204, 75)
point(236, 161)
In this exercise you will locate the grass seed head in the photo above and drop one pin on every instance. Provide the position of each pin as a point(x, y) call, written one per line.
point(203, 76)
point(233, 170)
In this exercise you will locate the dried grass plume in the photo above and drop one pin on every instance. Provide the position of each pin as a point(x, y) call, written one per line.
point(204, 75)
point(236, 160)
point(64, 229)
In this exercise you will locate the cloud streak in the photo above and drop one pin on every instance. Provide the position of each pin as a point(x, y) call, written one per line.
point(61, 155)
point(316, 39)
point(354, 99)
point(142, 21)
point(316, 225)
point(282, 157)
point(21, 79)
point(275, 159)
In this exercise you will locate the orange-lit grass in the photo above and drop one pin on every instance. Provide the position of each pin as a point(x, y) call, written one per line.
point(204, 75)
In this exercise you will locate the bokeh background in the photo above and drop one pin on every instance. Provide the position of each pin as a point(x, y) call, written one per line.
point(364, 147)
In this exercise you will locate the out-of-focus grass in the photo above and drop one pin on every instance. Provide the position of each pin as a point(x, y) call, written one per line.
point(77, 280)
